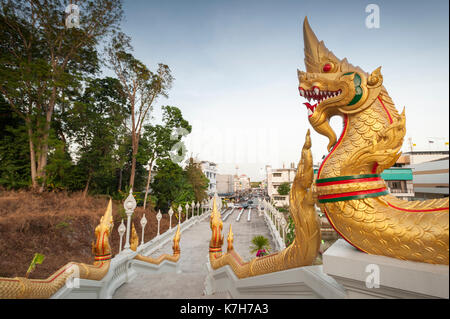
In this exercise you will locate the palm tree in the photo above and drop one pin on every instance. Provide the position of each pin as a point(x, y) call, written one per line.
point(260, 243)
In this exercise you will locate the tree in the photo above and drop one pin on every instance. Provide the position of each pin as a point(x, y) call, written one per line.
point(284, 189)
point(14, 153)
point(95, 123)
point(41, 58)
point(141, 87)
point(197, 179)
point(158, 140)
point(170, 185)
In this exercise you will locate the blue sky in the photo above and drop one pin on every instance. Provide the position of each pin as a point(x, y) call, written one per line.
point(235, 63)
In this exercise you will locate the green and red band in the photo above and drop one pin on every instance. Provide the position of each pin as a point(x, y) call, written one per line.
point(102, 257)
point(353, 195)
point(348, 179)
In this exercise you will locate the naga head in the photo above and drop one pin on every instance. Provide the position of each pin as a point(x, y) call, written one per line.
point(101, 249)
point(333, 86)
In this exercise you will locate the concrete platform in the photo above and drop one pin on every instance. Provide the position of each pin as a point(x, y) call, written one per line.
point(370, 276)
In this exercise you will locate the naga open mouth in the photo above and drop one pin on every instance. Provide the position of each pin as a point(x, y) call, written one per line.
point(318, 96)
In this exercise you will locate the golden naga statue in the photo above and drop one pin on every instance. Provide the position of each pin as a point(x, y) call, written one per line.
point(21, 287)
point(301, 252)
point(350, 190)
point(176, 248)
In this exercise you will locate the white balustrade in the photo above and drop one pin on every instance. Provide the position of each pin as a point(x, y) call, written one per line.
point(187, 211)
point(122, 229)
point(129, 205)
point(170, 217)
point(275, 221)
point(283, 229)
point(179, 214)
point(158, 218)
point(124, 267)
point(143, 223)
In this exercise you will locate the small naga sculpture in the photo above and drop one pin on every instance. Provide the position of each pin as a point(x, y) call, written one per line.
point(176, 248)
point(350, 190)
point(21, 287)
point(301, 252)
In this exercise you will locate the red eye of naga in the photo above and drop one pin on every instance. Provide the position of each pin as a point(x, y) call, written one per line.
point(326, 67)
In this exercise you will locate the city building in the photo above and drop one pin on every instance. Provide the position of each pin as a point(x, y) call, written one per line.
point(241, 183)
point(225, 184)
point(276, 177)
point(210, 171)
point(417, 157)
point(429, 173)
point(399, 182)
point(430, 179)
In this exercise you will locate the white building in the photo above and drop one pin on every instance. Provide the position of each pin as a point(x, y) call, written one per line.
point(276, 177)
point(431, 179)
point(210, 171)
point(417, 157)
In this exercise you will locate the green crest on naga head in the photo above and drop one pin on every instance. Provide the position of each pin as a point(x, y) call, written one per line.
point(333, 86)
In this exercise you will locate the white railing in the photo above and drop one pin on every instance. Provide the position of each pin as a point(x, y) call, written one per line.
point(276, 223)
point(123, 267)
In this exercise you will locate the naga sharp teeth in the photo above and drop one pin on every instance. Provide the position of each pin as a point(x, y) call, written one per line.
point(302, 93)
point(316, 90)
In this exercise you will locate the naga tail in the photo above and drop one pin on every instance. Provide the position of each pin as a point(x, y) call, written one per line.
point(302, 251)
point(307, 226)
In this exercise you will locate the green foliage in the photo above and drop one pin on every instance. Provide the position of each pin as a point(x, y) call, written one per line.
point(283, 209)
point(284, 189)
point(14, 149)
point(94, 123)
point(44, 66)
point(170, 185)
point(290, 233)
point(37, 260)
point(198, 180)
point(78, 125)
point(141, 88)
point(259, 242)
